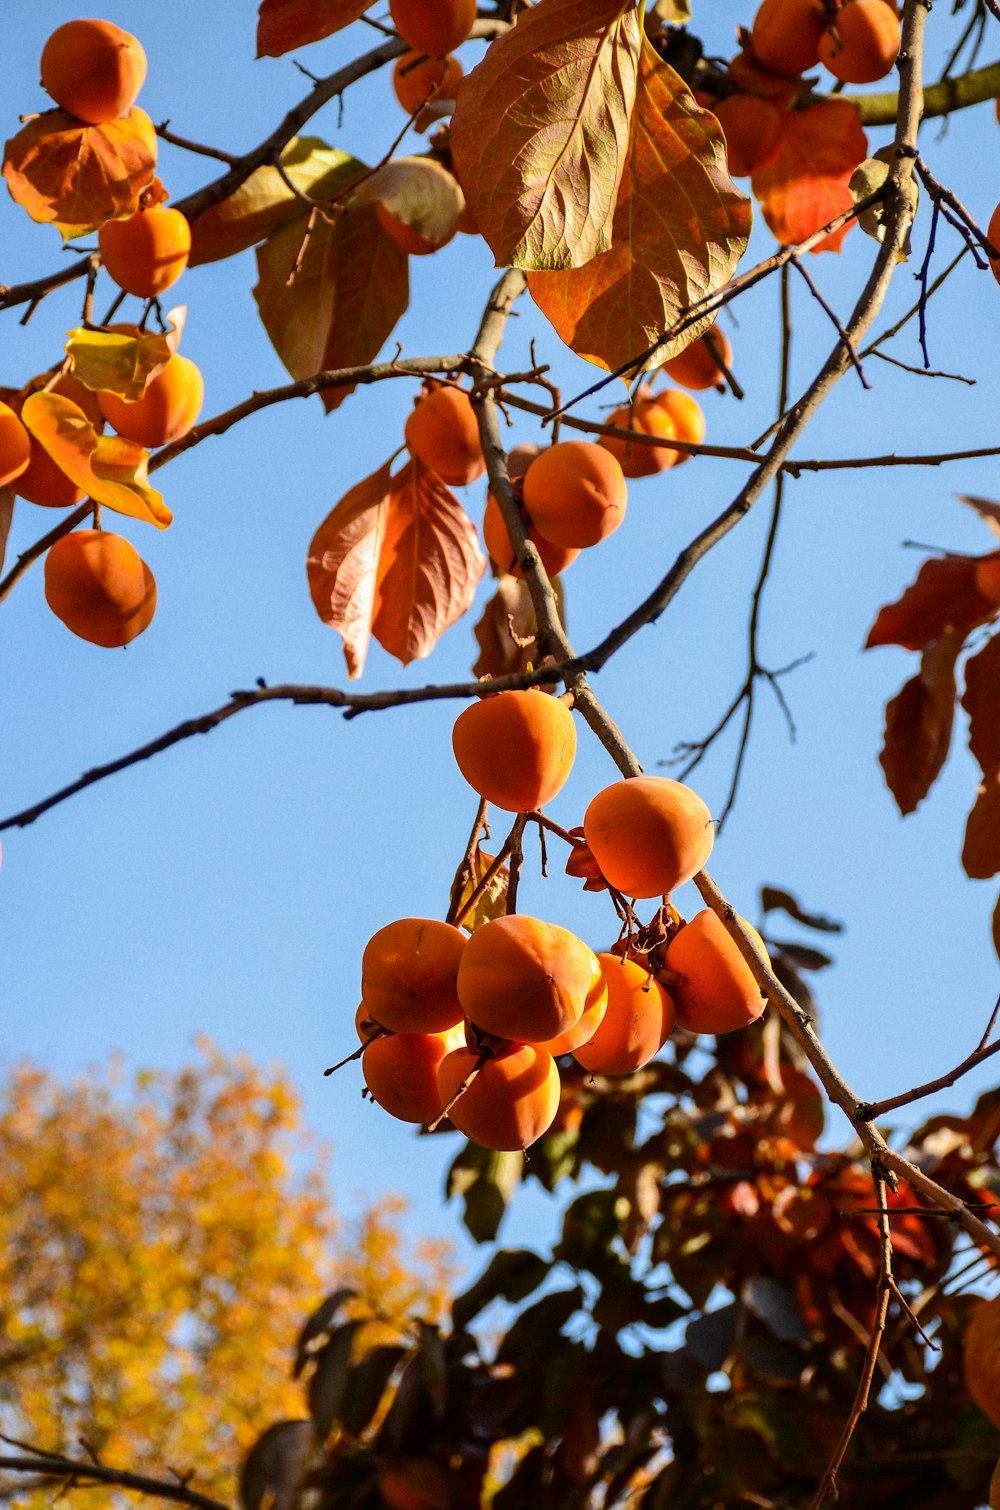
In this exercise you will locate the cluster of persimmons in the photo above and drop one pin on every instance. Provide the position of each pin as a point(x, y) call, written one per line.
point(472, 1026)
point(95, 580)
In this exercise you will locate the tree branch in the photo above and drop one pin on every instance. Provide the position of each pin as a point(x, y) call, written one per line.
point(84, 1472)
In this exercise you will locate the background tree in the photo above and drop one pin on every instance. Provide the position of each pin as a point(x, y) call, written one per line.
point(332, 280)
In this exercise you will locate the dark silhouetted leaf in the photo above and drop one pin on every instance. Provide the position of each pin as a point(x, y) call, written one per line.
point(319, 1326)
point(801, 955)
point(511, 1275)
point(284, 24)
point(918, 723)
point(709, 1338)
point(540, 136)
point(981, 850)
point(79, 176)
point(982, 703)
point(264, 201)
point(331, 300)
point(367, 1385)
point(486, 1181)
point(772, 897)
point(774, 1303)
point(274, 1467)
point(330, 1378)
point(943, 597)
point(679, 230)
point(805, 185)
point(534, 1338)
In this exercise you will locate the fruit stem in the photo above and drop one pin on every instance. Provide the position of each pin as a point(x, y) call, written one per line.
point(445, 1111)
point(378, 1033)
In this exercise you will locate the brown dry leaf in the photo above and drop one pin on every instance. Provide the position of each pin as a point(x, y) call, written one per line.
point(123, 361)
point(943, 597)
point(350, 287)
point(982, 703)
point(284, 24)
point(79, 176)
point(506, 629)
point(398, 558)
point(996, 928)
point(6, 517)
point(492, 903)
point(418, 192)
point(265, 201)
point(981, 850)
point(807, 183)
point(987, 509)
point(680, 228)
point(110, 470)
point(540, 135)
point(918, 724)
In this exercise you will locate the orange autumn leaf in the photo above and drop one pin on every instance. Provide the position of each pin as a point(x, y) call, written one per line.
point(981, 849)
point(110, 470)
point(679, 231)
point(981, 701)
point(332, 299)
point(398, 558)
point(918, 724)
point(944, 596)
point(540, 136)
point(79, 176)
point(806, 184)
point(284, 24)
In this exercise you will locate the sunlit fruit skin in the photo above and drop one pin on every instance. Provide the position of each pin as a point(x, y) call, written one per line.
point(100, 587)
point(516, 749)
point(527, 980)
point(401, 1072)
point(648, 834)
point(863, 43)
point(15, 446)
point(512, 1101)
point(365, 1025)
point(981, 1358)
point(636, 1025)
point(646, 417)
point(167, 409)
point(554, 558)
point(583, 1031)
point(93, 69)
point(442, 431)
point(435, 27)
point(575, 493)
point(146, 253)
point(408, 975)
point(988, 575)
point(786, 34)
point(752, 128)
point(687, 415)
point(417, 79)
point(711, 983)
point(695, 367)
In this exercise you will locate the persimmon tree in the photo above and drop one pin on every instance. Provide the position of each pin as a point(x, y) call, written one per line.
point(754, 1317)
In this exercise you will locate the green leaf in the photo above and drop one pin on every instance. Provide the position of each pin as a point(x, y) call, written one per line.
point(486, 1181)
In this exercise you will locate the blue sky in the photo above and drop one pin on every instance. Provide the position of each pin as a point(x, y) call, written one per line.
point(229, 886)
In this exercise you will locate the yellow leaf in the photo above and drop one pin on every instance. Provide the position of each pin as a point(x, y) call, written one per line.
point(111, 471)
point(121, 361)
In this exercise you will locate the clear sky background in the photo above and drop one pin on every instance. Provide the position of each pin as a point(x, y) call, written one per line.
point(228, 887)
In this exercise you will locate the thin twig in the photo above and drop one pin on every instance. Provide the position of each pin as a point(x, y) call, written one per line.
point(53, 1465)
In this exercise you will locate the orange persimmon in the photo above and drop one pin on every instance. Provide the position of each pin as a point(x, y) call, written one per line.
point(554, 558)
point(516, 749)
point(527, 980)
point(637, 1022)
point(786, 34)
point(648, 834)
point(401, 1072)
point(147, 252)
point(93, 69)
point(645, 417)
point(435, 27)
point(862, 42)
point(512, 1101)
point(753, 131)
point(697, 366)
point(417, 79)
point(100, 587)
point(408, 973)
point(712, 985)
point(574, 493)
point(15, 446)
point(166, 410)
point(443, 433)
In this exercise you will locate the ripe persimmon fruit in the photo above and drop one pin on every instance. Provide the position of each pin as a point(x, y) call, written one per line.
point(636, 1025)
point(786, 34)
point(646, 417)
point(442, 431)
point(408, 973)
point(15, 446)
point(862, 43)
point(648, 834)
point(43, 482)
point(697, 367)
point(554, 558)
point(752, 126)
point(100, 587)
point(417, 79)
point(435, 27)
point(574, 493)
point(516, 749)
point(401, 1072)
point(512, 1101)
point(146, 253)
point(165, 411)
point(687, 415)
point(583, 1031)
point(527, 980)
point(712, 985)
point(93, 69)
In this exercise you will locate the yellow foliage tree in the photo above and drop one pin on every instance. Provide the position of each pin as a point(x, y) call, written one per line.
point(157, 1254)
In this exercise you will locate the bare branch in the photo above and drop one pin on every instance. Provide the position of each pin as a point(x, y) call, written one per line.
point(84, 1472)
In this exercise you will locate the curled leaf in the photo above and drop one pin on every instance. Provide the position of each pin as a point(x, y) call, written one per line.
point(418, 192)
point(918, 724)
point(944, 596)
point(78, 176)
point(110, 470)
point(284, 24)
point(122, 361)
point(981, 850)
point(806, 184)
point(981, 701)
